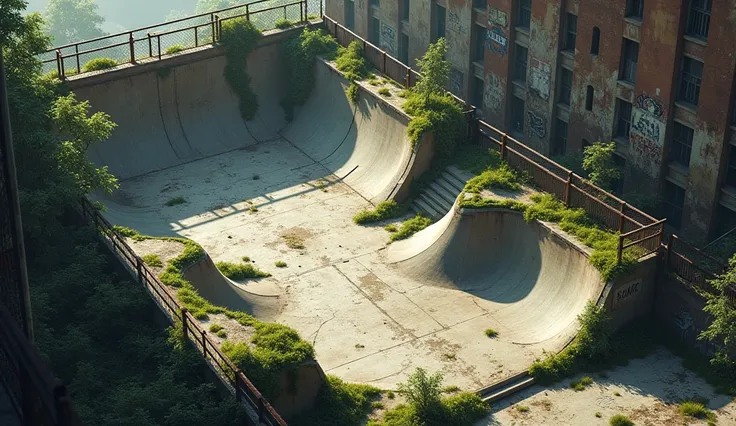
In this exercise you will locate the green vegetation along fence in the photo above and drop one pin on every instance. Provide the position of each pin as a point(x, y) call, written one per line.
point(694, 267)
point(245, 391)
point(638, 230)
point(152, 42)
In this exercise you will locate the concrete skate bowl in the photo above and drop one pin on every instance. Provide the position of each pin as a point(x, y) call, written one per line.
point(258, 297)
point(527, 277)
point(184, 111)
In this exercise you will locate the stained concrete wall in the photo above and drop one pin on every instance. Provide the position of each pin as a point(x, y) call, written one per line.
point(388, 13)
point(458, 36)
point(497, 62)
point(420, 29)
point(632, 296)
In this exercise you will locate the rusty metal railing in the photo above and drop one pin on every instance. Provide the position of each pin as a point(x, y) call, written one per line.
point(245, 391)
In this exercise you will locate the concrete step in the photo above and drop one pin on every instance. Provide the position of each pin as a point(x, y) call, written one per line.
point(443, 206)
point(453, 180)
point(506, 387)
point(460, 174)
point(450, 187)
point(426, 209)
point(443, 192)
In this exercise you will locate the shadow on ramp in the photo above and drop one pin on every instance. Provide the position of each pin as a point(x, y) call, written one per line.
point(260, 298)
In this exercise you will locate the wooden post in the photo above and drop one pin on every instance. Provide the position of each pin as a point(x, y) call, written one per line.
point(212, 24)
point(184, 325)
point(76, 51)
point(238, 391)
point(216, 30)
point(131, 42)
point(247, 13)
point(620, 247)
point(567, 189)
point(622, 218)
point(384, 62)
point(59, 62)
point(158, 42)
point(196, 36)
point(503, 146)
point(670, 247)
point(204, 343)
point(139, 266)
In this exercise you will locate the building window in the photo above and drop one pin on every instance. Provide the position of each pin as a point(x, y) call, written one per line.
point(477, 99)
point(726, 220)
point(517, 115)
point(559, 144)
point(690, 77)
point(440, 15)
point(350, 14)
point(698, 18)
point(375, 37)
point(480, 47)
point(479, 4)
point(629, 60)
point(524, 15)
point(674, 201)
point(376, 3)
point(565, 86)
point(596, 41)
point(404, 49)
point(571, 32)
point(731, 169)
point(520, 62)
point(623, 119)
point(635, 9)
point(589, 98)
point(682, 144)
point(405, 11)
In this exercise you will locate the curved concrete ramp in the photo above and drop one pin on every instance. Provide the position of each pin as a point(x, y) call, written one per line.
point(531, 278)
point(259, 298)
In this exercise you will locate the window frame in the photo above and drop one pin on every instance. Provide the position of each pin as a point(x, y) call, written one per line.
point(565, 95)
point(674, 209)
point(681, 146)
point(439, 23)
point(690, 83)
point(698, 18)
point(556, 147)
point(623, 123)
point(524, 13)
point(520, 69)
point(515, 103)
point(635, 9)
point(568, 32)
point(630, 49)
point(595, 43)
point(589, 97)
point(349, 23)
point(479, 48)
point(477, 94)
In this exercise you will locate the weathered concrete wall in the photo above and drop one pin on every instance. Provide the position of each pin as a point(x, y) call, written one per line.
point(335, 9)
point(709, 150)
point(599, 71)
point(497, 62)
point(458, 35)
point(362, 14)
point(300, 389)
point(389, 16)
point(420, 27)
point(542, 74)
point(632, 296)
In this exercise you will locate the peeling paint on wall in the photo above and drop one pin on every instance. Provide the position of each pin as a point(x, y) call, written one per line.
point(455, 24)
point(540, 73)
point(497, 40)
point(537, 125)
point(456, 82)
point(493, 93)
point(647, 134)
point(388, 39)
point(497, 17)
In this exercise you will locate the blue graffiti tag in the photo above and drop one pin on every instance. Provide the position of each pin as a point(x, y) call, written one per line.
point(497, 41)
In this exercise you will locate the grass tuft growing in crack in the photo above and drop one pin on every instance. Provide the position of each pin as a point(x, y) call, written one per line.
point(240, 271)
point(411, 227)
point(384, 210)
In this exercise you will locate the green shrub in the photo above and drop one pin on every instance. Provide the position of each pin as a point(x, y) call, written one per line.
point(339, 403)
point(351, 63)
point(491, 332)
point(222, 334)
point(501, 177)
point(620, 420)
point(99, 64)
point(280, 264)
point(522, 408)
point(283, 24)
point(353, 92)
point(384, 210)
point(152, 260)
point(383, 91)
point(580, 385)
point(478, 202)
point(464, 409)
point(441, 115)
point(299, 54)
point(411, 227)
point(240, 271)
point(697, 410)
point(173, 50)
point(475, 159)
point(240, 36)
point(214, 328)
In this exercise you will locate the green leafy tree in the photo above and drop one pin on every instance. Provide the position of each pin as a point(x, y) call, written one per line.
point(69, 21)
point(722, 329)
point(77, 131)
point(598, 163)
point(424, 393)
point(11, 19)
point(435, 70)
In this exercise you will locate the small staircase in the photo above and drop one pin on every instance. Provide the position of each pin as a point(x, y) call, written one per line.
point(438, 198)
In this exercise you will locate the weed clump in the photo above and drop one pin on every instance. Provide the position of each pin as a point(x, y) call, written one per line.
point(385, 210)
point(580, 385)
point(240, 271)
point(491, 333)
point(383, 91)
point(697, 410)
point(99, 64)
point(153, 260)
point(411, 227)
point(620, 420)
point(173, 50)
point(502, 177)
point(240, 36)
point(280, 264)
point(283, 24)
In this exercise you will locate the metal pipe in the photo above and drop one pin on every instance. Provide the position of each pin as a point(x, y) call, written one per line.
point(8, 157)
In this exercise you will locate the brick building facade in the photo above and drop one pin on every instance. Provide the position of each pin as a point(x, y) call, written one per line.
point(655, 76)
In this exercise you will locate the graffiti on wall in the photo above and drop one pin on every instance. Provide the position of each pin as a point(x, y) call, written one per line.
point(537, 125)
point(455, 24)
point(388, 39)
point(493, 93)
point(540, 73)
point(496, 40)
point(684, 322)
point(651, 105)
point(497, 17)
point(456, 82)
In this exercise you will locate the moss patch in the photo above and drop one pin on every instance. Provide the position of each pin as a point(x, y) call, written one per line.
point(239, 37)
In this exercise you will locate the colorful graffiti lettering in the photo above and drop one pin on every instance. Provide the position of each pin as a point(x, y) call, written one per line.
point(540, 78)
point(497, 17)
point(456, 82)
point(497, 41)
point(651, 105)
point(388, 38)
point(493, 93)
point(455, 24)
point(537, 125)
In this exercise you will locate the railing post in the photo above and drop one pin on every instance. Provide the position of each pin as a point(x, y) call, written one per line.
point(284, 12)
point(261, 409)
point(158, 43)
point(567, 189)
point(131, 42)
point(218, 29)
point(76, 51)
point(620, 247)
point(150, 45)
point(184, 325)
point(58, 64)
point(407, 77)
point(196, 36)
point(670, 245)
point(503, 146)
point(204, 344)
point(247, 12)
point(212, 24)
point(622, 218)
point(139, 266)
point(238, 390)
point(384, 62)
point(321, 13)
